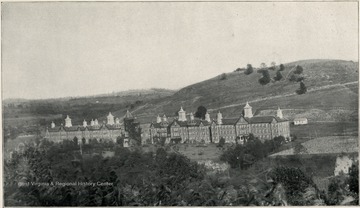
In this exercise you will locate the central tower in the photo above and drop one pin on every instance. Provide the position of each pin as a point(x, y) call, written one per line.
point(182, 115)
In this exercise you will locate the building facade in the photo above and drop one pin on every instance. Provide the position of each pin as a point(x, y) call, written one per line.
point(108, 131)
point(300, 121)
point(233, 130)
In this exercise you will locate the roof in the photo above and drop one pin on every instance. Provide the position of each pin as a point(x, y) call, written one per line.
point(262, 119)
point(229, 121)
point(159, 125)
point(113, 126)
point(195, 122)
point(82, 128)
point(198, 122)
point(265, 119)
point(300, 119)
point(247, 105)
point(72, 128)
point(180, 123)
point(55, 129)
point(253, 120)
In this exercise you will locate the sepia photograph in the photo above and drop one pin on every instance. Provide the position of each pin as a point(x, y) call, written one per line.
point(180, 103)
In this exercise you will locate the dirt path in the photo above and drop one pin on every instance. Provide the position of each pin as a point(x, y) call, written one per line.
point(287, 95)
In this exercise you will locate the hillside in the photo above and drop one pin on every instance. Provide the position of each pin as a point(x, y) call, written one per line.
point(332, 96)
point(18, 112)
point(332, 93)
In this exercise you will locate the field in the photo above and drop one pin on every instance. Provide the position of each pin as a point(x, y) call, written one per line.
point(322, 129)
point(325, 145)
point(206, 152)
point(192, 151)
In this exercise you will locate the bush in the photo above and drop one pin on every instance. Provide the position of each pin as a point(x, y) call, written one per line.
point(354, 178)
point(302, 89)
point(266, 76)
point(240, 69)
point(223, 76)
point(295, 183)
point(221, 142)
point(282, 67)
point(298, 70)
point(249, 69)
point(278, 76)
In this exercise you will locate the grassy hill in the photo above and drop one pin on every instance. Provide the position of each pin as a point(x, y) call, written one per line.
point(31, 112)
point(332, 93)
point(332, 96)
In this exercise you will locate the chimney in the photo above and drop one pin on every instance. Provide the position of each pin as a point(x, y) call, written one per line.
point(207, 117)
point(158, 119)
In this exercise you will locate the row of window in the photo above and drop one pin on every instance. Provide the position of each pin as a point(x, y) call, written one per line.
point(83, 133)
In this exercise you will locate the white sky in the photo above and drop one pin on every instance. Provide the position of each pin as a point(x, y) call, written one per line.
point(71, 49)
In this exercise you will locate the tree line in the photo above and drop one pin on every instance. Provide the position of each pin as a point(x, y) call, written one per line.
point(141, 178)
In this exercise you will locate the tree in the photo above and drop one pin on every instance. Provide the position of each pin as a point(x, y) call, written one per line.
point(354, 178)
point(295, 182)
point(200, 113)
point(265, 79)
point(249, 69)
point(278, 76)
point(221, 142)
point(75, 140)
point(234, 156)
point(120, 140)
point(282, 67)
point(273, 65)
point(298, 70)
point(302, 89)
point(263, 66)
point(239, 69)
point(279, 140)
point(336, 191)
point(299, 149)
point(223, 76)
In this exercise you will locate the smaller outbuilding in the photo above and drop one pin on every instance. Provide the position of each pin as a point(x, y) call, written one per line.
point(300, 121)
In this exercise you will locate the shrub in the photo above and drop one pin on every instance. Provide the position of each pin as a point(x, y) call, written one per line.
point(302, 89)
point(240, 69)
point(221, 142)
point(295, 183)
point(265, 79)
point(249, 69)
point(278, 76)
point(223, 76)
point(354, 178)
point(298, 70)
point(282, 67)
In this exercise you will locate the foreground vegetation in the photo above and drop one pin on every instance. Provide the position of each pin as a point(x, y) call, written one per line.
point(158, 178)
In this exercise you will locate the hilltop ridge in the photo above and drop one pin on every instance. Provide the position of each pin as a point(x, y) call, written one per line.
point(332, 84)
